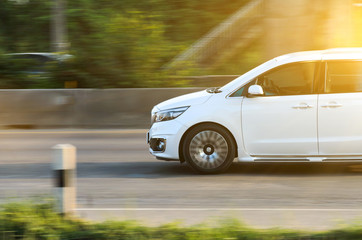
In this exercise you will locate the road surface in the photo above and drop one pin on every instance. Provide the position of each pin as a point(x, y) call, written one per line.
point(119, 179)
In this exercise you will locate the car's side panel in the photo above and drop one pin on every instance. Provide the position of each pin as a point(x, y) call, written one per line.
point(340, 124)
point(220, 110)
point(277, 125)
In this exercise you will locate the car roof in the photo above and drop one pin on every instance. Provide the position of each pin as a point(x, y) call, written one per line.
point(328, 54)
point(316, 55)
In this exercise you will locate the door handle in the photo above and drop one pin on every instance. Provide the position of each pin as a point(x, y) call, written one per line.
point(302, 106)
point(332, 105)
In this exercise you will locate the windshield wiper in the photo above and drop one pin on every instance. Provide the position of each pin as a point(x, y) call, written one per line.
point(213, 90)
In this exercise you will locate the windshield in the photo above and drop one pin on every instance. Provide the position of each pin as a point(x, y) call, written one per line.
point(238, 81)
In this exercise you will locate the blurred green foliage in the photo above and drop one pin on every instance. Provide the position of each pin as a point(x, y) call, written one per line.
point(39, 221)
point(115, 43)
point(11, 74)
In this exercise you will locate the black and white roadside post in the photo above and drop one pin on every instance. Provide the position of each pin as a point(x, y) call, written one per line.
point(64, 166)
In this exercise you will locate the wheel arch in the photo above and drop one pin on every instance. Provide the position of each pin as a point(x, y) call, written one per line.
point(182, 159)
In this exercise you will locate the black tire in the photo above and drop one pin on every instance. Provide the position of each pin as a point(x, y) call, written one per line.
point(209, 149)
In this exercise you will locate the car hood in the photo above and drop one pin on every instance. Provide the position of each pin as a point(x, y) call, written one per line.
point(185, 100)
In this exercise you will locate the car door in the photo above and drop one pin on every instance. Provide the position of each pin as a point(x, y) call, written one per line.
point(283, 122)
point(340, 109)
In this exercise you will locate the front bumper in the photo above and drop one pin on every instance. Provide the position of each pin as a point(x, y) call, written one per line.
point(168, 134)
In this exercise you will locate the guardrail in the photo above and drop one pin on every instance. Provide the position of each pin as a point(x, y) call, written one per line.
point(82, 108)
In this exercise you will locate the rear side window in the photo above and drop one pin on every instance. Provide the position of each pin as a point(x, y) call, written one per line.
point(343, 77)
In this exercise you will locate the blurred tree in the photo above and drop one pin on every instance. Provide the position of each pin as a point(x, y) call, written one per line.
point(119, 49)
point(115, 43)
point(24, 27)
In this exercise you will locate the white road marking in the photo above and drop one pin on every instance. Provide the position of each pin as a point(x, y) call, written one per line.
point(222, 209)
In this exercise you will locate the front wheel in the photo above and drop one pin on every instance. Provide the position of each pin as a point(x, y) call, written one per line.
point(209, 149)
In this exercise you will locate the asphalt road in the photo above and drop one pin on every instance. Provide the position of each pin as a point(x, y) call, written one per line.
point(118, 178)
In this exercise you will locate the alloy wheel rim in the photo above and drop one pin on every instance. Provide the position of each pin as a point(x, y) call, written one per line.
point(208, 149)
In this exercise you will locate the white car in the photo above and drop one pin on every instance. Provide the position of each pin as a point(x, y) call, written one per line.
point(304, 106)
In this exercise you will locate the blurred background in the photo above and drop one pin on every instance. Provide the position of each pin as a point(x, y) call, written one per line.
point(161, 43)
point(111, 55)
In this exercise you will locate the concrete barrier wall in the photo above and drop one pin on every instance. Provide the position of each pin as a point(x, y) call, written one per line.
point(82, 108)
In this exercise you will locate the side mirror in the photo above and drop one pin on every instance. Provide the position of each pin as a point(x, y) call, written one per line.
point(255, 90)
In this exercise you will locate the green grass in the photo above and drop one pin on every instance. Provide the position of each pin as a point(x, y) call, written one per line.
point(38, 221)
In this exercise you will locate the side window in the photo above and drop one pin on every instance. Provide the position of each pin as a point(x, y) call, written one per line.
point(343, 77)
point(290, 79)
point(243, 90)
point(239, 92)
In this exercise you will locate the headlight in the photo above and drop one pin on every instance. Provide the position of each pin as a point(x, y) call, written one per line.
point(168, 114)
